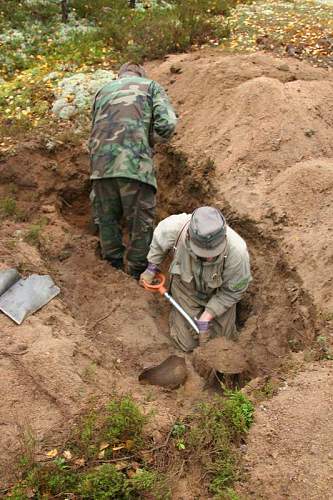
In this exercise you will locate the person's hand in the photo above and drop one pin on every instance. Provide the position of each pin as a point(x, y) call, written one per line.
point(203, 324)
point(148, 274)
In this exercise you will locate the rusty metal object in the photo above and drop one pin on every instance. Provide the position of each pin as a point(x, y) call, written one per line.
point(171, 373)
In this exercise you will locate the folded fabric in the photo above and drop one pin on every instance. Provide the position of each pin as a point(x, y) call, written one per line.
point(25, 296)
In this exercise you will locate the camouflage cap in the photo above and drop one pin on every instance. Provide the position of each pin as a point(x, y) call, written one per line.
point(133, 68)
point(207, 232)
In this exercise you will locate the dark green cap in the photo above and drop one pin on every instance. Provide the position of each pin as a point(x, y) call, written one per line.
point(207, 232)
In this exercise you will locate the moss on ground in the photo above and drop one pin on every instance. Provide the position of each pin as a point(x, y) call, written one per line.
point(109, 455)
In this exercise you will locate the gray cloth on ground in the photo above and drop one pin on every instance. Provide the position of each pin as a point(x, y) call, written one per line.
point(27, 296)
point(7, 278)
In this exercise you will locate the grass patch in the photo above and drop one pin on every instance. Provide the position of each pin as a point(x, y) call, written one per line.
point(120, 427)
point(9, 209)
point(34, 232)
point(109, 456)
point(267, 390)
point(209, 436)
point(105, 435)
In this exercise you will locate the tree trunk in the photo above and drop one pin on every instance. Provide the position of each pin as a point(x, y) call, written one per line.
point(64, 10)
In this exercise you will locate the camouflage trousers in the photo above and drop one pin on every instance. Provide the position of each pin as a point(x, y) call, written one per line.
point(181, 332)
point(120, 200)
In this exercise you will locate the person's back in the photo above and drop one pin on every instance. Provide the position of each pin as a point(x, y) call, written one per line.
point(126, 114)
point(129, 115)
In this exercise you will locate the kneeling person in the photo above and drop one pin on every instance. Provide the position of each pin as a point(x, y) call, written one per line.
point(210, 272)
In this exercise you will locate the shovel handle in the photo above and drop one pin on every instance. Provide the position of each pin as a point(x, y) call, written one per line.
point(157, 287)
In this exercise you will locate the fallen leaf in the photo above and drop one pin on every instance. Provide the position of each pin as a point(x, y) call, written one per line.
point(52, 453)
point(80, 462)
point(116, 448)
point(67, 454)
point(101, 454)
point(104, 445)
point(121, 465)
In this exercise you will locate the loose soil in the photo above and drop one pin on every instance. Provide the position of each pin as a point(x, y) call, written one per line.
point(255, 138)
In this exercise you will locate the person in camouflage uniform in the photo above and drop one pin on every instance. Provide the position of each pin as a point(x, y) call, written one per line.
point(129, 115)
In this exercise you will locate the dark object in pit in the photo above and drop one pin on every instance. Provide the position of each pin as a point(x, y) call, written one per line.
point(171, 373)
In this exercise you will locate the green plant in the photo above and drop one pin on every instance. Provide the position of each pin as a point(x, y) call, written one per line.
point(33, 234)
point(145, 481)
point(213, 429)
point(267, 391)
point(124, 422)
point(239, 411)
point(178, 431)
point(90, 372)
point(103, 483)
point(9, 208)
point(87, 434)
point(325, 351)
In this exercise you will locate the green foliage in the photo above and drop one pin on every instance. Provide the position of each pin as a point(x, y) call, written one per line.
point(120, 421)
point(212, 431)
point(32, 236)
point(267, 391)
point(103, 483)
point(325, 350)
point(87, 433)
point(35, 33)
point(8, 207)
point(178, 430)
point(33, 233)
point(54, 478)
point(145, 481)
point(239, 411)
point(124, 422)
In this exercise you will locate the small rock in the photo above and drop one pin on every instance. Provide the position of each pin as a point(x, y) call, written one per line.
point(309, 132)
point(49, 209)
point(176, 68)
point(283, 67)
point(58, 105)
point(67, 112)
point(65, 254)
point(51, 76)
point(50, 145)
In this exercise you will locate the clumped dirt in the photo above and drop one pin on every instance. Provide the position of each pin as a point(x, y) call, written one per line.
point(255, 138)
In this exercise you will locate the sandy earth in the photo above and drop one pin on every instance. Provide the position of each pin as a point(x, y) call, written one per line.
point(255, 138)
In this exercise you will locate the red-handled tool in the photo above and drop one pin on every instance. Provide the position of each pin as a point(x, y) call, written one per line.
point(158, 286)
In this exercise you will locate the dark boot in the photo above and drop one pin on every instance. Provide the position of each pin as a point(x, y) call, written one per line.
point(117, 263)
point(136, 273)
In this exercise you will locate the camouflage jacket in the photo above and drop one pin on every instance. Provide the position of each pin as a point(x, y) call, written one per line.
point(127, 114)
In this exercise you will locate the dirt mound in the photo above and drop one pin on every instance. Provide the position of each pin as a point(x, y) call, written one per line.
point(263, 124)
point(289, 452)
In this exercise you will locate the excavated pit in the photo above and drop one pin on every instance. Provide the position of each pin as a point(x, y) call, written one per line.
point(276, 316)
